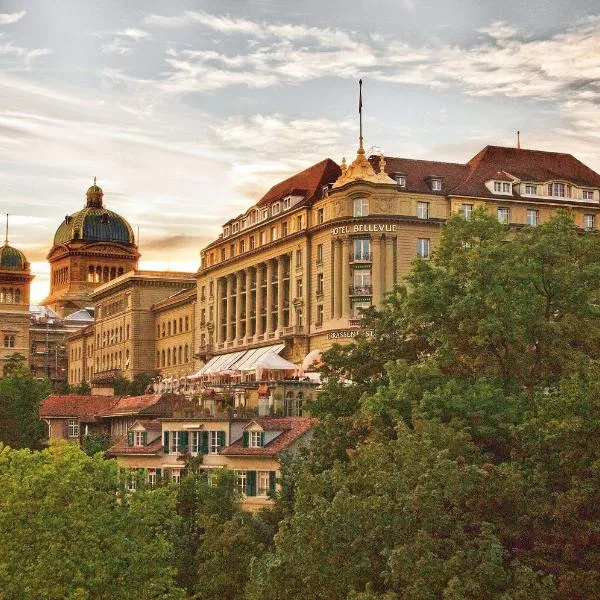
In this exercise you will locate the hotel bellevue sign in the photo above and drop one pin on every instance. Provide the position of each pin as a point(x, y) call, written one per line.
point(364, 228)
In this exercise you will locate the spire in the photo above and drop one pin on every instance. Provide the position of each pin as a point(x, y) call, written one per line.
point(519, 140)
point(6, 236)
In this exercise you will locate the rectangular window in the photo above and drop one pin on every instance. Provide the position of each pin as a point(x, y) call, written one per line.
point(497, 186)
point(264, 213)
point(73, 428)
point(275, 208)
point(362, 249)
point(588, 222)
point(298, 259)
point(262, 238)
point(287, 202)
point(503, 215)
point(400, 180)
point(436, 185)
point(506, 188)
point(176, 476)
point(225, 231)
point(215, 442)
point(298, 222)
point(273, 233)
point(263, 483)
point(423, 210)
point(255, 439)
point(320, 216)
point(223, 255)
point(532, 217)
point(319, 314)
point(467, 210)
point(358, 308)
point(298, 288)
point(231, 250)
point(319, 254)
point(423, 248)
point(284, 229)
point(138, 438)
point(242, 482)
point(235, 227)
point(531, 190)
point(319, 284)
point(361, 207)
point(242, 246)
point(251, 242)
point(557, 190)
point(588, 194)
point(362, 282)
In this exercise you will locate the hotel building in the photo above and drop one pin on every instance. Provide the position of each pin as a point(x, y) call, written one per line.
point(297, 267)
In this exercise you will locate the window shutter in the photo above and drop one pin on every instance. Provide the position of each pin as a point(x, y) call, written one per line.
point(166, 442)
point(204, 442)
point(183, 440)
point(251, 483)
point(262, 439)
point(245, 439)
point(221, 439)
point(158, 473)
point(272, 480)
point(130, 438)
point(144, 438)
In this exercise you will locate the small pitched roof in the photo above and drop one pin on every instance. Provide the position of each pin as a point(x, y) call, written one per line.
point(131, 405)
point(123, 447)
point(85, 408)
point(291, 429)
point(148, 424)
point(307, 183)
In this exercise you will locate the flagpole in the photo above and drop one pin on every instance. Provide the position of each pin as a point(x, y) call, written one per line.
point(361, 150)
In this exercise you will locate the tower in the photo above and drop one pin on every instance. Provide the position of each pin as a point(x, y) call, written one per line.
point(91, 247)
point(15, 281)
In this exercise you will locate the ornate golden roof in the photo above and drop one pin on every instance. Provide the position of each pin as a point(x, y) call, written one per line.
point(361, 170)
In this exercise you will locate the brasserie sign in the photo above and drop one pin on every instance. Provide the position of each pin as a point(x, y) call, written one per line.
point(346, 334)
point(364, 228)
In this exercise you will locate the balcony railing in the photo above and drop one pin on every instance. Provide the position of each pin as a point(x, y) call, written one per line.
point(355, 322)
point(361, 290)
point(361, 257)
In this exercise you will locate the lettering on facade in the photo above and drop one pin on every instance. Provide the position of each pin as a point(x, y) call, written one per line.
point(346, 334)
point(364, 228)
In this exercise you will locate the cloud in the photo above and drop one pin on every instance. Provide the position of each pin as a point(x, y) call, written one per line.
point(135, 34)
point(224, 24)
point(27, 54)
point(10, 18)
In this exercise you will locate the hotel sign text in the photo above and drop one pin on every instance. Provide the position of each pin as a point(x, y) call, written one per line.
point(364, 228)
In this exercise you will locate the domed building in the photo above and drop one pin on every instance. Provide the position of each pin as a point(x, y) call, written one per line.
point(92, 246)
point(15, 281)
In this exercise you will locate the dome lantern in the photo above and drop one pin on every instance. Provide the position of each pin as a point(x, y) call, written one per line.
point(94, 196)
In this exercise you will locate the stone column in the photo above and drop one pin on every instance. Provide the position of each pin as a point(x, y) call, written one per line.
point(238, 304)
point(270, 270)
point(376, 269)
point(345, 277)
point(248, 331)
point(260, 273)
point(218, 309)
point(337, 279)
point(229, 311)
point(389, 264)
point(280, 294)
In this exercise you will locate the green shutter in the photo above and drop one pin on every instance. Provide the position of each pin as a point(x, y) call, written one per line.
point(221, 439)
point(204, 442)
point(144, 438)
point(262, 439)
point(166, 442)
point(184, 439)
point(245, 440)
point(158, 473)
point(130, 438)
point(251, 483)
point(272, 481)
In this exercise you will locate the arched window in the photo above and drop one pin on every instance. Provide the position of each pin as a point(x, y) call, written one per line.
point(187, 353)
point(162, 358)
point(168, 357)
point(180, 354)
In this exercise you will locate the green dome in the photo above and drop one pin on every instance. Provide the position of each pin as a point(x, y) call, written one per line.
point(94, 224)
point(12, 259)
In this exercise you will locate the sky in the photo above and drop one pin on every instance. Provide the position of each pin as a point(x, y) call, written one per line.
point(188, 112)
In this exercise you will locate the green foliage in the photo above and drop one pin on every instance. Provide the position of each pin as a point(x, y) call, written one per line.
point(83, 389)
point(136, 387)
point(20, 396)
point(68, 529)
point(92, 443)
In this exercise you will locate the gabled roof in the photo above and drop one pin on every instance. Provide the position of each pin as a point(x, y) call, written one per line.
point(123, 447)
point(291, 429)
point(85, 408)
point(307, 183)
point(148, 424)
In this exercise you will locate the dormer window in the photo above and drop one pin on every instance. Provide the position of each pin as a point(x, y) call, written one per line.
point(252, 218)
point(588, 194)
point(287, 202)
point(502, 187)
point(137, 438)
point(531, 190)
point(325, 191)
point(235, 227)
point(244, 223)
point(226, 231)
point(253, 439)
point(556, 190)
point(276, 208)
point(264, 214)
point(400, 180)
point(436, 184)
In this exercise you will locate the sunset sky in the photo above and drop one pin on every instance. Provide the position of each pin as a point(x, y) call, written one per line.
point(187, 112)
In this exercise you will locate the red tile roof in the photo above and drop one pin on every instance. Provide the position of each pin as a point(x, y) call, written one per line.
point(149, 424)
point(86, 408)
point(123, 447)
point(307, 183)
point(291, 429)
point(492, 162)
point(131, 405)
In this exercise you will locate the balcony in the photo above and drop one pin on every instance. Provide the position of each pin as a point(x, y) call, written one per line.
point(361, 290)
point(361, 257)
point(292, 330)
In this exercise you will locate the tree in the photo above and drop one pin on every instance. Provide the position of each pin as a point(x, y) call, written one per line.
point(69, 529)
point(20, 396)
point(92, 443)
